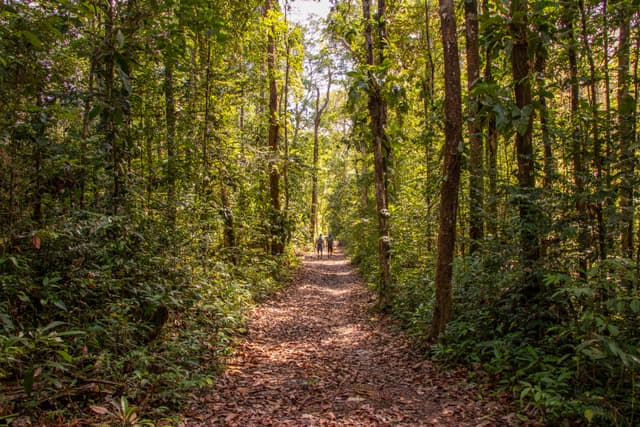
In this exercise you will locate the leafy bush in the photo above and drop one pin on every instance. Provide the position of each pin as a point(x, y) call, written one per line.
point(101, 309)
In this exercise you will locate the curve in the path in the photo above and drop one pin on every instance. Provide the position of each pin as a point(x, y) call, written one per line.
point(317, 356)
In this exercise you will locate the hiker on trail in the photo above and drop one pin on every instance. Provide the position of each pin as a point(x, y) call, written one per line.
point(319, 246)
point(330, 245)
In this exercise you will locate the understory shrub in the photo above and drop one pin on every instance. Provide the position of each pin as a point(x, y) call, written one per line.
point(106, 307)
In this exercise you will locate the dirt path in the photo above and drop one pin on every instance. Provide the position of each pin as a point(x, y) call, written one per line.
point(317, 357)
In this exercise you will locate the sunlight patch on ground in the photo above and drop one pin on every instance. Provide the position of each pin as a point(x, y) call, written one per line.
point(348, 334)
point(333, 292)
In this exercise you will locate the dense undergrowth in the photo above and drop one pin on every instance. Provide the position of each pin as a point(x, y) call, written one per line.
point(108, 313)
point(569, 356)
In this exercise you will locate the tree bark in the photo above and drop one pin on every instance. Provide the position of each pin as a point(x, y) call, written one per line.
point(476, 188)
point(626, 110)
point(110, 103)
point(277, 227)
point(170, 117)
point(491, 147)
point(381, 150)
point(285, 115)
point(529, 242)
point(576, 136)
point(84, 136)
point(595, 130)
point(450, 172)
point(205, 124)
point(428, 90)
point(540, 72)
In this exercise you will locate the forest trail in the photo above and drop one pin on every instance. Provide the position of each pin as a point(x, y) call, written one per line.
point(317, 356)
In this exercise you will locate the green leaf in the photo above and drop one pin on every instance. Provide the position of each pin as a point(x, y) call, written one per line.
point(60, 305)
point(124, 78)
point(589, 414)
point(52, 325)
point(120, 38)
point(32, 39)
point(70, 333)
point(65, 356)
point(499, 110)
point(95, 111)
point(27, 381)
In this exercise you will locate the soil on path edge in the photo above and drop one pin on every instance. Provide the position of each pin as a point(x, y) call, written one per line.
point(317, 356)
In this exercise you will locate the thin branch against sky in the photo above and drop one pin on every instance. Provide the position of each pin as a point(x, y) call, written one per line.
point(301, 11)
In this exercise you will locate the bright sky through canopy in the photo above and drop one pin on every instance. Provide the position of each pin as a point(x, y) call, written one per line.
point(301, 10)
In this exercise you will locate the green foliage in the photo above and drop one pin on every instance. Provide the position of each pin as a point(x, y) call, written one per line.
point(574, 357)
point(125, 271)
point(95, 318)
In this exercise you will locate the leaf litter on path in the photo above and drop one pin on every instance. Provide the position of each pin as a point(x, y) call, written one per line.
point(316, 356)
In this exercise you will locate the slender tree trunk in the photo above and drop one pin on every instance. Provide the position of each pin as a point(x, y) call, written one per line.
point(381, 149)
point(428, 97)
point(636, 87)
point(151, 179)
point(451, 170)
point(277, 238)
point(364, 187)
point(229, 231)
point(569, 15)
point(107, 120)
point(314, 171)
point(491, 147)
point(39, 126)
point(316, 149)
point(626, 109)
point(540, 70)
point(529, 241)
point(285, 115)
point(205, 122)
point(84, 136)
point(170, 116)
point(595, 130)
point(608, 147)
point(476, 188)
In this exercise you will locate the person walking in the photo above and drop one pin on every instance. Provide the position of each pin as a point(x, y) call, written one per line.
point(319, 246)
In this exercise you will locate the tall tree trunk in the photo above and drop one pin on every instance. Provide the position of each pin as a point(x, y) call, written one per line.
point(228, 220)
point(285, 114)
point(314, 171)
point(569, 15)
point(626, 109)
point(529, 244)
point(540, 70)
point(381, 149)
point(595, 130)
point(491, 146)
point(451, 170)
point(205, 124)
point(476, 188)
point(316, 150)
point(39, 125)
point(170, 116)
point(277, 238)
point(608, 146)
point(84, 136)
point(428, 90)
point(109, 100)
point(636, 87)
